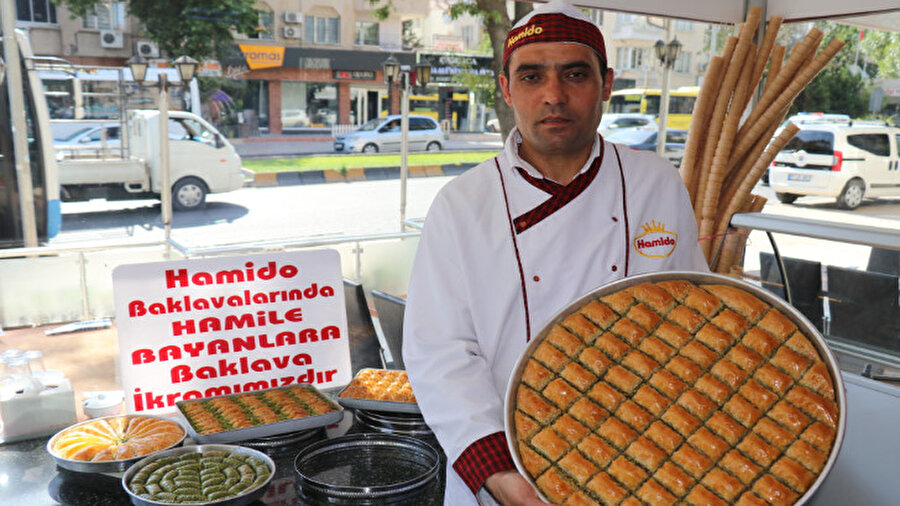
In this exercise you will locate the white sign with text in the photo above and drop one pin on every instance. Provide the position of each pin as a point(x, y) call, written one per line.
point(200, 328)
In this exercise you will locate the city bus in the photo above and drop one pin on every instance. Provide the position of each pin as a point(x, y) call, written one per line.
point(42, 161)
point(646, 101)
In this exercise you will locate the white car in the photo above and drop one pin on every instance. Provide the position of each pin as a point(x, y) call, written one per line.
point(383, 134)
point(610, 123)
point(846, 162)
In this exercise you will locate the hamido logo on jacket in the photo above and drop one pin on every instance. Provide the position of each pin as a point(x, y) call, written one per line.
point(655, 241)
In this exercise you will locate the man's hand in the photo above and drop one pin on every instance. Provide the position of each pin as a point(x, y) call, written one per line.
point(510, 488)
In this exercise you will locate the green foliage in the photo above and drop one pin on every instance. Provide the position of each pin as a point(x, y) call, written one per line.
point(197, 28)
point(382, 12)
point(835, 90)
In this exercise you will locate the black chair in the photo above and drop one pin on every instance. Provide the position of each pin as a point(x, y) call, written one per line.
point(390, 315)
point(863, 307)
point(804, 280)
point(885, 261)
point(365, 350)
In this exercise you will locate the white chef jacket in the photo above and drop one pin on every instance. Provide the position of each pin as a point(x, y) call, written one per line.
point(465, 321)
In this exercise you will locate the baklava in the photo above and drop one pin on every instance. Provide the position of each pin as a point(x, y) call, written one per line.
point(674, 392)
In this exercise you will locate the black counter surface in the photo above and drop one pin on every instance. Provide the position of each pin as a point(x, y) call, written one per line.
point(30, 477)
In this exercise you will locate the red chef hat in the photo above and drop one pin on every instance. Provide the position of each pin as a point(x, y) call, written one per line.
point(556, 21)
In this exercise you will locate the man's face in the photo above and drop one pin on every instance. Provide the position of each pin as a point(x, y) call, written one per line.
point(556, 91)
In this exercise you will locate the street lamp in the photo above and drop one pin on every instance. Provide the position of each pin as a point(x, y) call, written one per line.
point(667, 54)
point(393, 71)
point(186, 66)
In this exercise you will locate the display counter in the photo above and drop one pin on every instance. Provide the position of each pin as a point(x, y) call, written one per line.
point(29, 476)
point(865, 471)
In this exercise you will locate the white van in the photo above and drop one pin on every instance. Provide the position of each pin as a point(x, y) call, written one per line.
point(847, 162)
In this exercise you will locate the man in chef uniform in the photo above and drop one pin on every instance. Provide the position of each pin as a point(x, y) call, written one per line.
point(505, 246)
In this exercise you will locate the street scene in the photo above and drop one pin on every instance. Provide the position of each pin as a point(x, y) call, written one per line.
point(675, 279)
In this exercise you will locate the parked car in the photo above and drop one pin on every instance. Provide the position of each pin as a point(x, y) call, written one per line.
point(847, 162)
point(383, 134)
point(644, 138)
point(610, 123)
point(90, 136)
point(492, 125)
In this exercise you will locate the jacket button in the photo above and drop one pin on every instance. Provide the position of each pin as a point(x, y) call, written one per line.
point(614, 268)
point(615, 219)
point(536, 279)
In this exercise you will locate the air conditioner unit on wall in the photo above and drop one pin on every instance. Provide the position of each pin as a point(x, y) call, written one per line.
point(291, 32)
point(293, 17)
point(147, 49)
point(112, 39)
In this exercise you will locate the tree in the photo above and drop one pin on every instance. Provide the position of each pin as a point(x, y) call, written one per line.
point(197, 28)
point(497, 24)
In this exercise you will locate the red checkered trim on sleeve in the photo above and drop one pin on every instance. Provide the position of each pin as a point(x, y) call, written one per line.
point(483, 458)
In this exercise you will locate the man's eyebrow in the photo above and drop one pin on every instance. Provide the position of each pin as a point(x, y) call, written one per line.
point(530, 67)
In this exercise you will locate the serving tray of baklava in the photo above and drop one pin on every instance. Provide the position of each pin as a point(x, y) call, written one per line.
point(380, 390)
point(676, 387)
point(258, 413)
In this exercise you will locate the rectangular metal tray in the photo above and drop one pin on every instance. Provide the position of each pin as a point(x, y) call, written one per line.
point(269, 429)
point(376, 405)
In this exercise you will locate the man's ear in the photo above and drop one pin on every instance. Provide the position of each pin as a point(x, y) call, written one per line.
point(607, 84)
point(504, 86)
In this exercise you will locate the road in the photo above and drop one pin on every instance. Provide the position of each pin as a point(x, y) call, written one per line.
point(265, 214)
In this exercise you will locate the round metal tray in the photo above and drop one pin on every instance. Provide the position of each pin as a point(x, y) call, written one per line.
point(106, 466)
point(792, 313)
point(366, 469)
point(394, 423)
point(246, 497)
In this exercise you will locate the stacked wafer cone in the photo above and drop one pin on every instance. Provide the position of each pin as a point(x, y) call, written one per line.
point(726, 153)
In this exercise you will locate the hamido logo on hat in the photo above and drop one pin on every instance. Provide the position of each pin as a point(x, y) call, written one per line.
point(655, 241)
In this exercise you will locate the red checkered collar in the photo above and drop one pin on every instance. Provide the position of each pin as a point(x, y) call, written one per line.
point(511, 153)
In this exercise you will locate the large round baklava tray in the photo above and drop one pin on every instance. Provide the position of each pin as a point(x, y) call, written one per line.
point(676, 387)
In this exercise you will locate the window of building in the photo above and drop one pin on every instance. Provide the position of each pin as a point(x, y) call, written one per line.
point(629, 58)
point(323, 30)
point(683, 25)
point(683, 63)
point(468, 36)
point(109, 16)
point(36, 11)
point(308, 104)
point(366, 33)
point(265, 30)
point(623, 18)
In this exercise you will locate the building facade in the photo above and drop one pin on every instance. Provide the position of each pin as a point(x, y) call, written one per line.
point(312, 63)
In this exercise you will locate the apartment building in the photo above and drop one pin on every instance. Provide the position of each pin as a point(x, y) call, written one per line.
point(312, 63)
point(630, 40)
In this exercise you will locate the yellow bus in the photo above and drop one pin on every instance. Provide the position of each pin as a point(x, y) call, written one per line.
point(646, 101)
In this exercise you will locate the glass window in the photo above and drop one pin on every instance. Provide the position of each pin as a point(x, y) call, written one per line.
point(109, 16)
point(191, 130)
point(266, 28)
point(683, 25)
point(36, 11)
point(683, 63)
point(623, 18)
point(322, 30)
point(311, 105)
point(877, 144)
point(366, 33)
point(813, 142)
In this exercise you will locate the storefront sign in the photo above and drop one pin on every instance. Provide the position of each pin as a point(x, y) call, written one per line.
point(199, 328)
point(362, 75)
point(262, 57)
point(445, 66)
point(210, 68)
